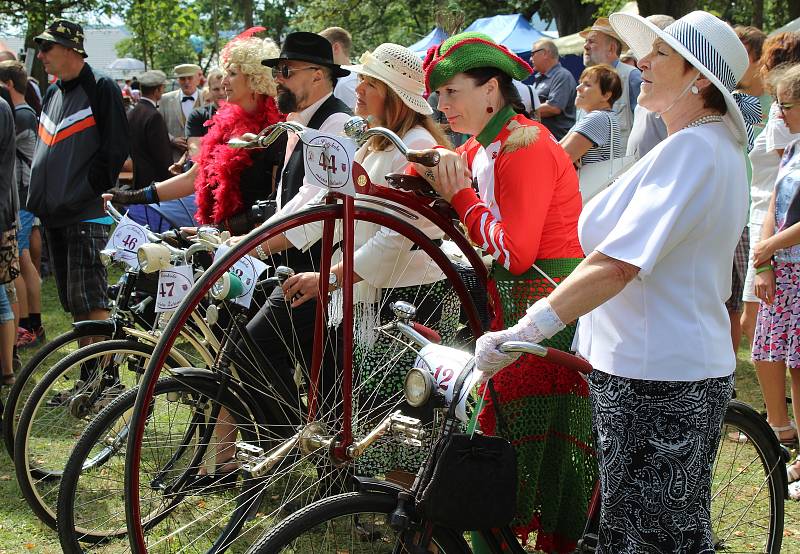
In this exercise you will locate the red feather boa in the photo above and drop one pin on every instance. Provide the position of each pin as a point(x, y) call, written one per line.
point(216, 186)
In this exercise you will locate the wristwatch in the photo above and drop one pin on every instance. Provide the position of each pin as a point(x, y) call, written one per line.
point(333, 281)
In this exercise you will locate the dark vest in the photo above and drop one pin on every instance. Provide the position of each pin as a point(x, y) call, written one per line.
point(292, 179)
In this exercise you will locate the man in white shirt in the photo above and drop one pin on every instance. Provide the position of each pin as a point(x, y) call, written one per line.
point(176, 106)
point(342, 43)
point(603, 45)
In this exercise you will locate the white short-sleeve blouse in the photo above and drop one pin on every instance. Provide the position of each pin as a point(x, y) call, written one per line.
point(677, 214)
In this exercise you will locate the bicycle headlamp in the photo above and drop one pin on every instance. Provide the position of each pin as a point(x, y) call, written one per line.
point(418, 387)
point(153, 257)
point(227, 287)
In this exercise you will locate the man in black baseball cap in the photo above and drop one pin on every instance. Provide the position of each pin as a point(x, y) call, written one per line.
point(63, 32)
point(83, 142)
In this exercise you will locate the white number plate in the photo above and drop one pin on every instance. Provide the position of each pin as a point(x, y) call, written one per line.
point(329, 161)
point(247, 269)
point(173, 286)
point(126, 240)
point(446, 365)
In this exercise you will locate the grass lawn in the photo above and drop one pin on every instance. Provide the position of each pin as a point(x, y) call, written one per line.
point(21, 532)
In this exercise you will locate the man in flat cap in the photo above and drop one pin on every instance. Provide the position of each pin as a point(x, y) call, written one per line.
point(83, 142)
point(150, 143)
point(176, 105)
point(603, 45)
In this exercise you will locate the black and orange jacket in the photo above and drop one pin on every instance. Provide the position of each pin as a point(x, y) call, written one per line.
point(83, 142)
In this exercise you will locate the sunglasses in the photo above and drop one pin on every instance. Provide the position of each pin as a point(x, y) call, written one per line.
point(45, 46)
point(782, 106)
point(286, 72)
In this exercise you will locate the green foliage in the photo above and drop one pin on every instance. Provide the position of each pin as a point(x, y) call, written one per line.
point(160, 32)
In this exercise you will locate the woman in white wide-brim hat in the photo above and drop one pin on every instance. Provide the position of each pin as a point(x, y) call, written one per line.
point(651, 292)
point(386, 266)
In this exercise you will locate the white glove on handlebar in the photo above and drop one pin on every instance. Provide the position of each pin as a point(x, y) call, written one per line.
point(539, 323)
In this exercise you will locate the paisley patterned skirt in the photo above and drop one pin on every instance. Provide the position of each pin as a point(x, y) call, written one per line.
point(656, 442)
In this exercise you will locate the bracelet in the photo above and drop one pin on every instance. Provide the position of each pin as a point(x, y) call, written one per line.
point(763, 268)
point(262, 255)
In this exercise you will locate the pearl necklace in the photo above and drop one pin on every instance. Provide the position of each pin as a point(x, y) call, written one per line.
point(703, 120)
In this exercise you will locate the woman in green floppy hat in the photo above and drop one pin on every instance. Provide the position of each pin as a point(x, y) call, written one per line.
point(525, 215)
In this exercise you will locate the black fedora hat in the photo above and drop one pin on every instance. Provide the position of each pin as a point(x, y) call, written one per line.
point(307, 47)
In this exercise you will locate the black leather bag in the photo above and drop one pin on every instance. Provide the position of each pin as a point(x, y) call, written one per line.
point(472, 483)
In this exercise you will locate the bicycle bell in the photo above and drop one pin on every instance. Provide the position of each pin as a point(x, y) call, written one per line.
point(355, 128)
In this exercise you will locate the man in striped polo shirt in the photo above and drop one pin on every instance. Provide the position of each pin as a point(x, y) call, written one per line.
point(83, 142)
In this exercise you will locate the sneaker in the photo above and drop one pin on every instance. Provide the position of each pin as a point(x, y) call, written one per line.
point(25, 338)
point(40, 335)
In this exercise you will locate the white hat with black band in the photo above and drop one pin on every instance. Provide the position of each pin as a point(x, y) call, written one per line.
point(703, 40)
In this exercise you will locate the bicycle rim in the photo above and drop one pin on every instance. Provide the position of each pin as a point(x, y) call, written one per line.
point(302, 474)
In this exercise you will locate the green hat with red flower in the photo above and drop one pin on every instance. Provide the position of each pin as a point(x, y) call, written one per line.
point(467, 51)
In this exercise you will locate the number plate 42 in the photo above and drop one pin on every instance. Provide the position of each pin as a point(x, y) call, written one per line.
point(446, 366)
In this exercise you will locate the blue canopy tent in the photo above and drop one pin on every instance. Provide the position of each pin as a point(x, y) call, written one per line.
point(512, 31)
point(434, 38)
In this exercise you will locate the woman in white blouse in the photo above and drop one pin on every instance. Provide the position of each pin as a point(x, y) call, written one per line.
point(386, 265)
point(651, 292)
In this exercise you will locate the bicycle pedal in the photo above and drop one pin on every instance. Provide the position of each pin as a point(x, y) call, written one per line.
point(249, 454)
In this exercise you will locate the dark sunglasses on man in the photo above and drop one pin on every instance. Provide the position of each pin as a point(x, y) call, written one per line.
point(45, 46)
point(286, 72)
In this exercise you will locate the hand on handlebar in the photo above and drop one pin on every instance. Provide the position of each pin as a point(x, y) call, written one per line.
point(488, 357)
point(451, 175)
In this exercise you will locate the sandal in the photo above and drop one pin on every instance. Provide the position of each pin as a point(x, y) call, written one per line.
point(784, 429)
point(793, 470)
point(794, 490)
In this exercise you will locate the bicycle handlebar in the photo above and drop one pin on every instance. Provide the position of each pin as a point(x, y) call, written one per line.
point(550, 354)
point(356, 128)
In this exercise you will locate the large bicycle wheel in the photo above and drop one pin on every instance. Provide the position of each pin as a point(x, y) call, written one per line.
point(748, 485)
point(315, 400)
point(49, 354)
point(179, 441)
point(60, 407)
point(354, 523)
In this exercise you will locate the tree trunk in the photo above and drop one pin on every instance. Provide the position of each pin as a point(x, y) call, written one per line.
point(794, 9)
point(247, 13)
point(675, 8)
point(571, 17)
point(36, 23)
point(758, 14)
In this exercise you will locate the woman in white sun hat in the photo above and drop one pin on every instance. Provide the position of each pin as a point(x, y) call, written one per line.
point(651, 292)
point(386, 265)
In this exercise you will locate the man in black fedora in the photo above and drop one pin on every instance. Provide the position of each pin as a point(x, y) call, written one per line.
point(83, 142)
point(306, 75)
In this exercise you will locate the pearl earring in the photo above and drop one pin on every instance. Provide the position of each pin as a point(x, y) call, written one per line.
point(695, 90)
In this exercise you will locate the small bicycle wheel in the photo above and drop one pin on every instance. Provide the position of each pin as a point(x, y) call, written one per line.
point(354, 523)
point(748, 485)
point(91, 506)
point(60, 407)
point(50, 353)
point(315, 399)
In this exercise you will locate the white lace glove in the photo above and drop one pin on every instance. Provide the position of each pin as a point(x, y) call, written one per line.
point(539, 323)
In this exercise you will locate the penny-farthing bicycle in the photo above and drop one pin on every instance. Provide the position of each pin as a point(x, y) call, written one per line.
point(297, 435)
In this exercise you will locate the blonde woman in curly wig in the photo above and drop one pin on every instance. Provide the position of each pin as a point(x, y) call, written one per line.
point(226, 181)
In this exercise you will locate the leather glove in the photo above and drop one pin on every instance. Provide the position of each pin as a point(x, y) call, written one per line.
point(147, 195)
